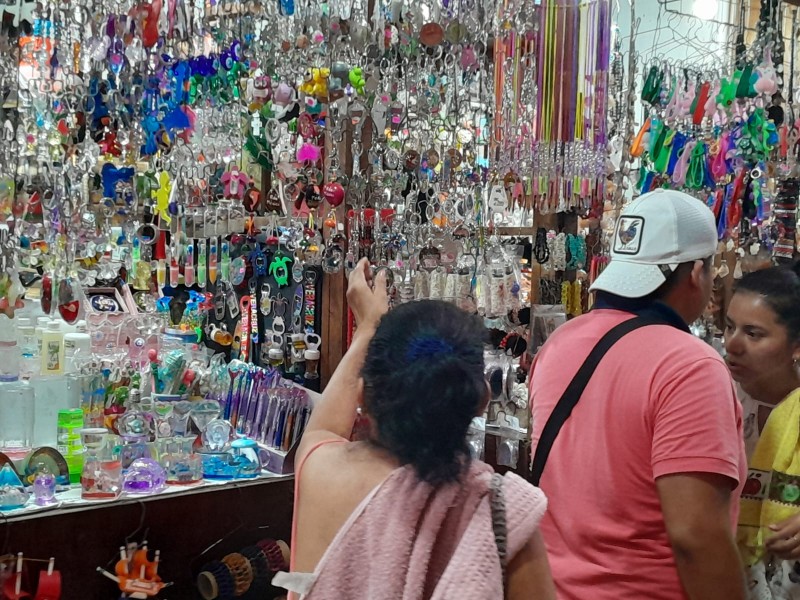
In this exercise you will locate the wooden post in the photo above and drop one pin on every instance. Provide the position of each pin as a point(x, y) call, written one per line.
point(334, 285)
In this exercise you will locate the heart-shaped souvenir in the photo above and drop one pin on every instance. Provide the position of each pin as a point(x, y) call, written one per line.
point(333, 192)
point(68, 304)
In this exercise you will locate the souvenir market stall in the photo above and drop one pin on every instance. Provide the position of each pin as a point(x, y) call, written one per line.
point(184, 186)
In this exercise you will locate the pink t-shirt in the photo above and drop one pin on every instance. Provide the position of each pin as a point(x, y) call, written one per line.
point(661, 402)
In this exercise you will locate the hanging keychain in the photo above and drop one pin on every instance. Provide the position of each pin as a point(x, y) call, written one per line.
point(174, 270)
point(225, 261)
point(310, 294)
point(161, 273)
point(245, 337)
point(136, 254)
point(230, 298)
point(201, 264)
point(279, 306)
point(297, 270)
point(236, 346)
point(188, 266)
point(253, 313)
point(297, 310)
point(266, 300)
point(212, 261)
point(219, 302)
point(279, 268)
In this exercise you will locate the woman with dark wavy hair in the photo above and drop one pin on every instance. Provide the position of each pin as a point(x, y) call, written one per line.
point(407, 514)
point(762, 341)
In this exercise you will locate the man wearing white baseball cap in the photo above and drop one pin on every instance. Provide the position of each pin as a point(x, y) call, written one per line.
point(637, 423)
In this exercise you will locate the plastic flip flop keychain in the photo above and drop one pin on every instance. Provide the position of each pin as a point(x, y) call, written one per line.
point(637, 148)
point(201, 264)
point(188, 266)
point(174, 270)
point(212, 261)
point(161, 272)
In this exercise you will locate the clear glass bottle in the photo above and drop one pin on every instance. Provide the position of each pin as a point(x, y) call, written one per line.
point(9, 351)
point(17, 406)
point(29, 359)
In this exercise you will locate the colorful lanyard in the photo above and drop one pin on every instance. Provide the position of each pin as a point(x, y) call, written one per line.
point(245, 308)
point(310, 294)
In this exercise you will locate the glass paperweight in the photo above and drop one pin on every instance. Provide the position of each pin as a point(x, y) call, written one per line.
point(101, 477)
point(204, 412)
point(180, 462)
point(12, 492)
point(133, 449)
point(218, 465)
point(44, 487)
point(245, 454)
point(135, 423)
point(216, 435)
point(180, 417)
point(145, 476)
point(164, 422)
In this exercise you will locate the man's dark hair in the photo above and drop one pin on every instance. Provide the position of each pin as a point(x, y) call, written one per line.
point(676, 277)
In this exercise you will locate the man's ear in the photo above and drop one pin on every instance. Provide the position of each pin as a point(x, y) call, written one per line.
point(698, 271)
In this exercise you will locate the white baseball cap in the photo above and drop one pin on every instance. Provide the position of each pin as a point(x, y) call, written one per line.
point(654, 234)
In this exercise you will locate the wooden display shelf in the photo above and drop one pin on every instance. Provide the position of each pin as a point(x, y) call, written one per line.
point(190, 528)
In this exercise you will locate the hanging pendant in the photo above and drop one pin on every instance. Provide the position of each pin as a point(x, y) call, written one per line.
point(68, 304)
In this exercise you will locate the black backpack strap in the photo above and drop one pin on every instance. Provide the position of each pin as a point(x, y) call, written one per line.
point(574, 391)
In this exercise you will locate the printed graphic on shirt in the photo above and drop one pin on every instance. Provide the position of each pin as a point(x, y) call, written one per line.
point(785, 488)
point(757, 484)
point(629, 235)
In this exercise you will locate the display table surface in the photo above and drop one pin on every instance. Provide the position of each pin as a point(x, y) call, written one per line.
point(71, 500)
point(190, 525)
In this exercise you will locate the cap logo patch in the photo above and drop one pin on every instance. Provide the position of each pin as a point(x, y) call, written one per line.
point(628, 239)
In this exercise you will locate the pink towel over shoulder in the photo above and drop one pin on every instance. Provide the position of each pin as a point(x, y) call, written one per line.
point(410, 541)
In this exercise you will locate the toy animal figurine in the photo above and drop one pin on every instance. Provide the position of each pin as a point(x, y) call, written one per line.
point(316, 83)
point(357, 80)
